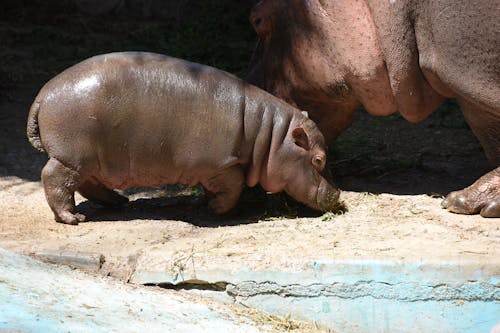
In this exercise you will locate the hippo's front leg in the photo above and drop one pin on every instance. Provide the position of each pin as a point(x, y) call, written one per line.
point(481, 197)
point(484, 195)
point(224, 189)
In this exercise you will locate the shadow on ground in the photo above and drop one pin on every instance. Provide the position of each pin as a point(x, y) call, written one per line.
point(252, 208)
point(392, 155)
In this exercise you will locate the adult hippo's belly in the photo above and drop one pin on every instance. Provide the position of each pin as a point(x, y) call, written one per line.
point(329, 57)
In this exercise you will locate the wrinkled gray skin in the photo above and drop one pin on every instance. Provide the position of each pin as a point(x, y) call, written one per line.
point(133, 119)
point(330, 56)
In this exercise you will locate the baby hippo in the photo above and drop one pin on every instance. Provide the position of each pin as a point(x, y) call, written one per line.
point(131, 119)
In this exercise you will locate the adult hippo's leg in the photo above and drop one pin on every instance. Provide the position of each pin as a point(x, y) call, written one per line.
point(224, 189)
point(97, 192)
point(484, 195)
point(60, 183)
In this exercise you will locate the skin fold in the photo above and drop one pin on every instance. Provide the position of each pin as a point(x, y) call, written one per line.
point(133, 119)
point(329, 57)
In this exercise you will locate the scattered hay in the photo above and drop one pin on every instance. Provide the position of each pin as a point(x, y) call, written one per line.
point(278, 323)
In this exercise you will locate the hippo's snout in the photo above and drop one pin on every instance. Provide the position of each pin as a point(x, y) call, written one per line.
point(327, 197)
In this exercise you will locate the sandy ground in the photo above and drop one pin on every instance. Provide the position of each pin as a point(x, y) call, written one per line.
point(393, 176)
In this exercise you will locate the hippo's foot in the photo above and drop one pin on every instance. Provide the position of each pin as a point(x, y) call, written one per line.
point(97, 192)
point(481, 197)
point(220, 204)
point(224, 190)
point(59, 183)
point(69, 218)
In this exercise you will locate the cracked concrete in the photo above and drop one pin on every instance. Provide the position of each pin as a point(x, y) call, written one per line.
point(482, 286)
point(469, 291)
point(447, 297)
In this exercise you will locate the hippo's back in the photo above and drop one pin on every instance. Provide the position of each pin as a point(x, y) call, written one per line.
point(132, 115)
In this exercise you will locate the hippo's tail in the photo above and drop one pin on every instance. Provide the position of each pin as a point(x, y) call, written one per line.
point(32, 129)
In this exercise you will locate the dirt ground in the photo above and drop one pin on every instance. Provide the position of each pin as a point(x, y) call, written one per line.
point(393, 175)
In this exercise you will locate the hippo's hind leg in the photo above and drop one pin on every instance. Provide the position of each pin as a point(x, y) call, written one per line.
point(97, 192)
point(484, 195)
point(60, 183)
point(224, 189)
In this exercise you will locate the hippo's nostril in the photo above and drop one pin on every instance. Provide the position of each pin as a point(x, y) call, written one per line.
point(327, 197)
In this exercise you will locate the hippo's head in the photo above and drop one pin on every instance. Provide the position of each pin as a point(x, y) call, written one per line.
point(298, 165)
point(320, 56)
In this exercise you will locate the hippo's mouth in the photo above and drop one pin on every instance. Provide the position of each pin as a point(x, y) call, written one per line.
point(327, 197)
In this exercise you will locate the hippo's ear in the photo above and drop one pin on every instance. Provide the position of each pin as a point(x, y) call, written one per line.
point(305, 114)
point(259, 18)
point(300, 138)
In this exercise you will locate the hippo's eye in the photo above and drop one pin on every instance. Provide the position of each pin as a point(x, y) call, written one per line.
point(318, 162)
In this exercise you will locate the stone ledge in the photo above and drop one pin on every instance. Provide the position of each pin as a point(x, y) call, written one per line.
point(356, 295)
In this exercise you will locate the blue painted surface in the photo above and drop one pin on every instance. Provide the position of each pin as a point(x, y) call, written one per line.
point(367, 314)
point(38, 297)
point(366, 296)
point(338, 271)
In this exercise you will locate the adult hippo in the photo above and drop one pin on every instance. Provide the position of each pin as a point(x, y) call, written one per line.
point(133, 119)
point(330, 56)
